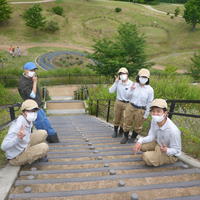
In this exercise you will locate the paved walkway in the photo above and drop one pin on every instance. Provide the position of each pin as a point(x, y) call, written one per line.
point(88, 163)
point(31, 2)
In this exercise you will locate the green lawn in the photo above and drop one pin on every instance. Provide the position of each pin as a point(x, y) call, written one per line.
point(180, 60)
point(28, 55)
point(2, 156)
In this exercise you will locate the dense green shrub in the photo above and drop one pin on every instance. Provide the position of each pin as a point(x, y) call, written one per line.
point(118, 10)
point(174, 87)
point(2, 155)
point(5, 11)
point(8, 97)
point(195, 69)
point(33, 17)
point(58, 10)
point(177, 11)
point(51, 26)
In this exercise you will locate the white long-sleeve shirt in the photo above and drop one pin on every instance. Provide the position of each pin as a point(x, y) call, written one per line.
point(121, 89)
point(11, 144)
point(142, 96)
point(168, 135)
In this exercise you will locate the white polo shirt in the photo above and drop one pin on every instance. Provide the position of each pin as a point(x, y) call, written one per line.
point(11, 144)
point(168, 135)
point(122, 89)
point(142, 96)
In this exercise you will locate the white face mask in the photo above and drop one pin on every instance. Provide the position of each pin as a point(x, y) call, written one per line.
point(123, 77)
point(31, 116)
point(31, 74)
point(143, 80)
point(157, 118)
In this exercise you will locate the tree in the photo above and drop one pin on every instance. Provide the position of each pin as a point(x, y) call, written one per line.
point(33, 17)
point(177, 11)
point(126, 49)
point(195, 69)
point(5, 11)
point(192, 12)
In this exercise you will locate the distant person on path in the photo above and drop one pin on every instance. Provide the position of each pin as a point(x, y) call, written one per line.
point(163, 142)
point(10, 50)
point(20, 145)
point(28, 89)
point(13, 52)
point(18, 52)
point(141, 95)
point(121, 87)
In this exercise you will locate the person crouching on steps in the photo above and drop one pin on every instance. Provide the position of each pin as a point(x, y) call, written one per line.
point(20, 145)
point(121, 87)
point(141, 95)
point(163, 142)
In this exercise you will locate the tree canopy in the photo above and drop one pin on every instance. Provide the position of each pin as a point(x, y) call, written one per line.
point(192, 12)
point(5, 11)
point(33, 17)
point(126, 49)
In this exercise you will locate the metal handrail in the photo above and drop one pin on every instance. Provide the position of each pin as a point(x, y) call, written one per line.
point(171, 109)
point(12, 113)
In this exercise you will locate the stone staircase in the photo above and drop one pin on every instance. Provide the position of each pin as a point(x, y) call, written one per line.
point(89, 164)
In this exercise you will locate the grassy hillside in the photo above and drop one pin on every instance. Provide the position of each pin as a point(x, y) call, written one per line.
point(169, 7)
point(85, 21)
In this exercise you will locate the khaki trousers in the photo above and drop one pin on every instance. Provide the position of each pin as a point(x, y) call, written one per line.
point(119, 109)
point(36, 149)
point(153, 156)
point(133, 118)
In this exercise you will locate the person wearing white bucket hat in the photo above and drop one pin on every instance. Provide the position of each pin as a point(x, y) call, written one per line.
point(163, 142)
point(141, 95)
point(20, 145)
point(121, 86)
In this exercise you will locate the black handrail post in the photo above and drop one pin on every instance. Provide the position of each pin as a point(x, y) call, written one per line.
point(171, 110)
point(97, 108)
point(69, 78)
point(81, 93)
point(12, 113)
point(91, 104)
point(44, 92)
point(108, 111)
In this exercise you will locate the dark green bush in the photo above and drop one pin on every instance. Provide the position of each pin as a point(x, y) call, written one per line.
point(118, 10)
point(58, 10)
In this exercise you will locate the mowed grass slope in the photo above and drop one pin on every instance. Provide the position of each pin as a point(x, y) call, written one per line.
point(85, 21)
point(169, 7)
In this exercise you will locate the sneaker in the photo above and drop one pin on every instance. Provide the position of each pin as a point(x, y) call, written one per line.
point(124, 140)
point(52, 138)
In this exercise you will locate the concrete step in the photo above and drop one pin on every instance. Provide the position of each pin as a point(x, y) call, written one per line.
point(64, 105)
point(62, 90)
point(65, 111)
